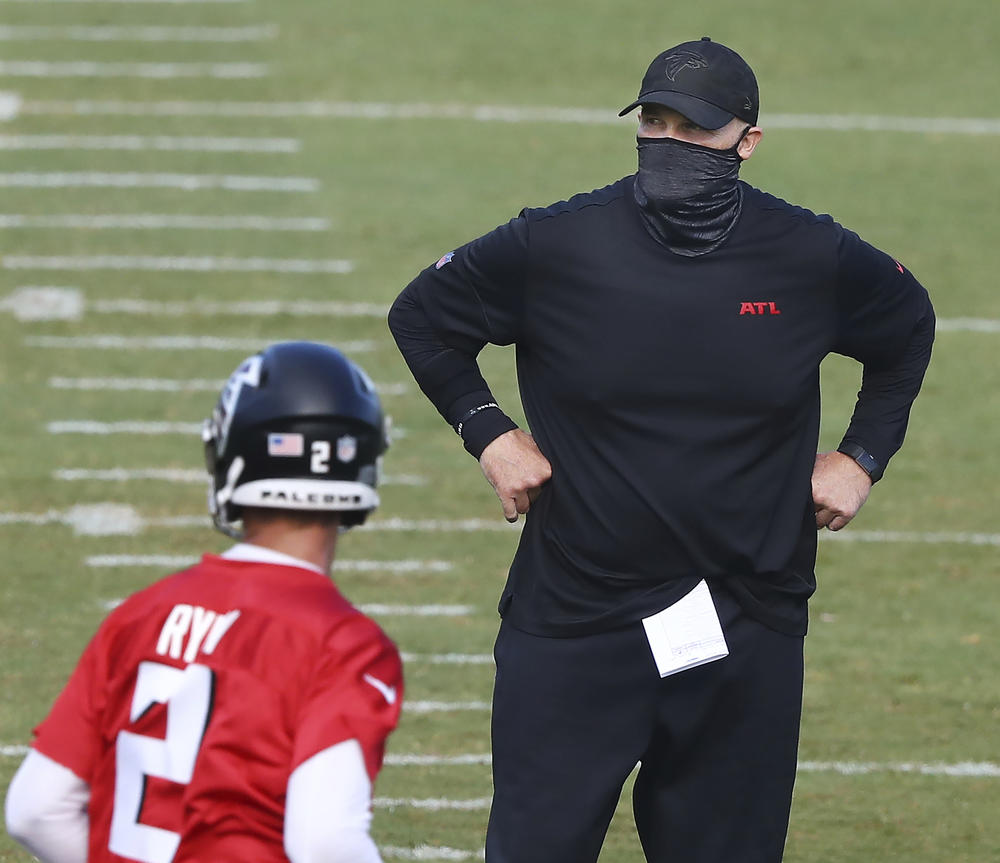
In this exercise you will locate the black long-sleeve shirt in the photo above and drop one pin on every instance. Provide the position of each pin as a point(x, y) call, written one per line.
point(677, 398)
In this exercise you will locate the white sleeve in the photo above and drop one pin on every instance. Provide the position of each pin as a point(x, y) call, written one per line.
point(47, 810)
point(328, 808)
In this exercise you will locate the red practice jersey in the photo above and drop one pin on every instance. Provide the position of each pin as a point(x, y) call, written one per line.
point(199, 696)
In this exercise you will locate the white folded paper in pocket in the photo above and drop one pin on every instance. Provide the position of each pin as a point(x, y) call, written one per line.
point(686, 634)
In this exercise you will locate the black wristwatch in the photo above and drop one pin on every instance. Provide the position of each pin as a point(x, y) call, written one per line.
point(868, 463)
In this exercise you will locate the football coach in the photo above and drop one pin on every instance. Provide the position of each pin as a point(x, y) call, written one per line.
point(669, 331)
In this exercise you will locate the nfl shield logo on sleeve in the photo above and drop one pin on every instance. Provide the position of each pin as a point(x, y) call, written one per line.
point(347, 448)
point(444, 259)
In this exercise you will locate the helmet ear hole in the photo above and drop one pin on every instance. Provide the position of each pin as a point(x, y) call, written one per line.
point(306, 428)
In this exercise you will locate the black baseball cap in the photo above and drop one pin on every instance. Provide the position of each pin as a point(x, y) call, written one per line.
point(704, 80)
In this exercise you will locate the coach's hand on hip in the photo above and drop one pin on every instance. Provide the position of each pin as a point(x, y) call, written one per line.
point(517, 470)
point(839, 488)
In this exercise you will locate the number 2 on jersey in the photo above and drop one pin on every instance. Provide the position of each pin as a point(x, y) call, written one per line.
point(187, 694)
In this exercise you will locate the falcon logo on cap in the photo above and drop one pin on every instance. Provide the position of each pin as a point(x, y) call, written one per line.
point(676, 63)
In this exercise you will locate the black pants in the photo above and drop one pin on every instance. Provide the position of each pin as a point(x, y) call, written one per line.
point(717, 745)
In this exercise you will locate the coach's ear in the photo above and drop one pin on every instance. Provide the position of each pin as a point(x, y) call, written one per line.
point(749, 142)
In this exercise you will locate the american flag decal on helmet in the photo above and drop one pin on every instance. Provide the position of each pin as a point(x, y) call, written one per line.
point(291, 445)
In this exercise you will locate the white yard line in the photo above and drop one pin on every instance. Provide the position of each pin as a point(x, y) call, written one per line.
point(176, 386)
point(84, 33)
point(120, 474)
point(433, 525)
point(445, 706)
point(108, 519)
point(883, 123)
point(111, 515)
point(110, 561)
point(44, 303)
point(152, 385)
point(51, 303)
point(137, 180)
point(162, 221)
point(92, 427)
point(166, 143)
point(95, 519)
point(31, 518)
point(450, 658)
point(960, 769)
point(976, 325)
point(97, 69)
point(403, 760)
point(40, 2)
point(189, 476)
point(433, 804)
point(103, 519)
point(178, 562)
point(970, 769)
point(240, 308)
point(322, 110)
point(147, 263)
point(398, 566)
point(497, 114)
point(377, 609)
point(911, 536)
point(410, 479)
point(429, 852)
point(114, 342)
point(159, 561)
point(10, 105)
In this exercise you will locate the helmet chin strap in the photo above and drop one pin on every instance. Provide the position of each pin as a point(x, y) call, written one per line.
point(221, 498)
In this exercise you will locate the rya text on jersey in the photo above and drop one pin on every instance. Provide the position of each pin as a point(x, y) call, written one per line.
point(202, 628)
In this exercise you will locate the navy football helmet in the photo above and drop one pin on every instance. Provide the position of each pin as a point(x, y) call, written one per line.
point(297, 426)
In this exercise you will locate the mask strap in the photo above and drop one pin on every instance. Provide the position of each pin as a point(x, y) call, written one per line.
point(739, 140)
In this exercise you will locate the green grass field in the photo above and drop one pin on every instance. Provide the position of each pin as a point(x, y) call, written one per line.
point(904, 647)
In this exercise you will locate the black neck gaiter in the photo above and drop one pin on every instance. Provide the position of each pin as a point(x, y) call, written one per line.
point(688, 194)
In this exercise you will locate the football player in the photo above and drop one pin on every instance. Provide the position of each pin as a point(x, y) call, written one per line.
point(238, 710)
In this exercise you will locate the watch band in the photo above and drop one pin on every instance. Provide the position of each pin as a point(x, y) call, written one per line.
point(867, 462)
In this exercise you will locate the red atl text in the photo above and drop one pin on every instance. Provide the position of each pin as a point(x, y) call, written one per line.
point(762, 308)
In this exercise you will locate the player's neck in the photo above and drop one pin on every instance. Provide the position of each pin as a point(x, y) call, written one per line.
point(313, 542)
